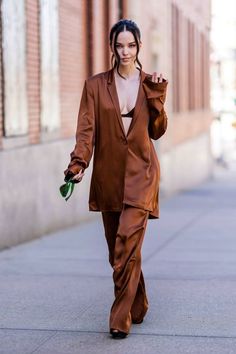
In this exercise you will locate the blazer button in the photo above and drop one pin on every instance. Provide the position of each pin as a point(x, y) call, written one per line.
point(124, 141)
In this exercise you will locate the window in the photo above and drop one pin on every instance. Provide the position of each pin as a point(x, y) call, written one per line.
point(50, 112)
point(14, 67)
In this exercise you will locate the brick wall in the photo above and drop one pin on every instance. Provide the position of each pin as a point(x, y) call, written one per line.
point(33, 69)
point(190, 80)
point(73, 67)
point(84, 50)
point(113, 12)
point(190, 64)
point(99, 36)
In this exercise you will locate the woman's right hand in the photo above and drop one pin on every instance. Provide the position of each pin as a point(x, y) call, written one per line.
point(78, 178)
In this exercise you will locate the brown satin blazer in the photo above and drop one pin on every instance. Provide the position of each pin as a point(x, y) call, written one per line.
point(125, 168)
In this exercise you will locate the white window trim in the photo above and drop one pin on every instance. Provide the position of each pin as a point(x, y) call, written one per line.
point(14, 66)
point(49, 27)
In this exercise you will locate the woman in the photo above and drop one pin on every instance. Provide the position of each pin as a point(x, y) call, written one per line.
point(121, 110)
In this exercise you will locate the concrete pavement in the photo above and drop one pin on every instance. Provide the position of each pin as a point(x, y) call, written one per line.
point(56, 292)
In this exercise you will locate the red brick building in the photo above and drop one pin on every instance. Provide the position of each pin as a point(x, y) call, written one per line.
point(48, 48)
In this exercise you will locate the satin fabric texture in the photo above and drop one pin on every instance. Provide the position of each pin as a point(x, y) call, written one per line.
point(125, 166)
point(124, 233)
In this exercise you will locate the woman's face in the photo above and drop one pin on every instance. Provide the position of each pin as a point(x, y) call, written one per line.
point(126, 48)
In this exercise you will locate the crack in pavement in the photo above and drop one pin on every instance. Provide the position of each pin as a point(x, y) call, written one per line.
point(56, 331)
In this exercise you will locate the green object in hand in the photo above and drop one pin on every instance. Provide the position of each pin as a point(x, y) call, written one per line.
point(66, 189)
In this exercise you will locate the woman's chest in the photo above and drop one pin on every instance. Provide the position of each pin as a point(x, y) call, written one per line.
point(127, 93)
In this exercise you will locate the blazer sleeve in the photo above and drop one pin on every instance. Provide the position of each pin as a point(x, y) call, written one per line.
point(85, 133)
point(156, 95)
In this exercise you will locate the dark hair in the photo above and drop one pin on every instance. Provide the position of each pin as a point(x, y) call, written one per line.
point(118, 27)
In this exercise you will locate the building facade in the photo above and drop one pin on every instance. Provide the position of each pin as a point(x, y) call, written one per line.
point(48, 48)
point(223, 80)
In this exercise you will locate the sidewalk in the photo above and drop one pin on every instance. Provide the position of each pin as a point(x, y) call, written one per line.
point(56, 292)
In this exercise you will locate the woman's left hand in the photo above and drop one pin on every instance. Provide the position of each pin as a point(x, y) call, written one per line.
point(156, 78)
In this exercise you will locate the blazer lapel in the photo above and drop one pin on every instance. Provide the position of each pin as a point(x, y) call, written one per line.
point(114, 97)
point(139, 101)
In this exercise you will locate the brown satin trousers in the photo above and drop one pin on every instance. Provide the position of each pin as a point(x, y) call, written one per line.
point(124, 233)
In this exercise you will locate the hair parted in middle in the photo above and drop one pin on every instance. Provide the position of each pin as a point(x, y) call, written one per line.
point(124, 25)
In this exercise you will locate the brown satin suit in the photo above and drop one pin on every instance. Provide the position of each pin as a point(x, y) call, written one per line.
point(125, 180)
